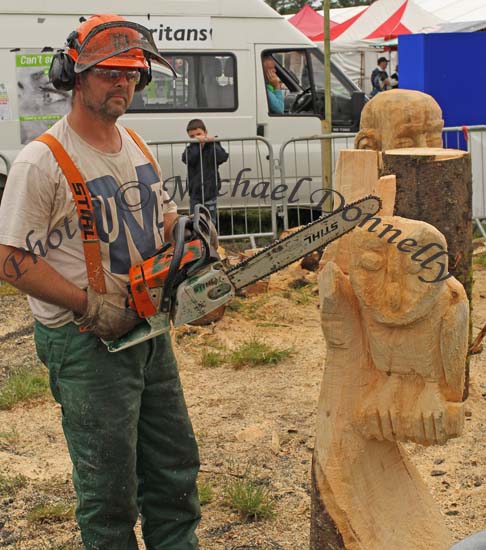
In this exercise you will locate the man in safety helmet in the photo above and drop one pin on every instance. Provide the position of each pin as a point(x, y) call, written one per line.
point(82, 204)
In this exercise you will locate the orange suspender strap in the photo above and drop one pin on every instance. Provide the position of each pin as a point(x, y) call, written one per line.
point(84, 207)
point(145, 150)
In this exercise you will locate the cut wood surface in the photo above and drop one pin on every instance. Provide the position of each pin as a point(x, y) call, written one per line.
point(350, 167)
point(434, 152)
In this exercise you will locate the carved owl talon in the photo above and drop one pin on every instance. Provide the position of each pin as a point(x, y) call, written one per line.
point(380, 419)
point(433, 420)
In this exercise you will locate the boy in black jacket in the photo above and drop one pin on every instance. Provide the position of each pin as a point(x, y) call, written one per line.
point(202, 161)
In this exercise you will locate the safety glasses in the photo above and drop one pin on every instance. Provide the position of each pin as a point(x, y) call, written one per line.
point(112, 75)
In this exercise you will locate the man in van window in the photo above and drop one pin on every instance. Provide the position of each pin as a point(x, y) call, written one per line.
point(83, 203)
point(273, 86)
point(380, 80)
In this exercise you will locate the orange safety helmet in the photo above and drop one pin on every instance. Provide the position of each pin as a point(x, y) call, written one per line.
point(111, 40)
point(106, 40)
point(75, 42)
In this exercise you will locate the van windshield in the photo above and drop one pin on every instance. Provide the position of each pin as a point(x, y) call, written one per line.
point(340, 84)
point(301, 74)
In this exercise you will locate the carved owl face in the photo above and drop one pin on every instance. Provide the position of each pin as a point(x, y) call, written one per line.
point(399, 119)
point(388, 270)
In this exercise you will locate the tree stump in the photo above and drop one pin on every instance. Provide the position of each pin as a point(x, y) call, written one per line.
point(435, 186)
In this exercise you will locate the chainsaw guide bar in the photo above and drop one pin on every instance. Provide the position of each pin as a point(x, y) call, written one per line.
point(307, 239)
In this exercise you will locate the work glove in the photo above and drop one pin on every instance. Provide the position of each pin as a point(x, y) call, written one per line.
point(107, 316)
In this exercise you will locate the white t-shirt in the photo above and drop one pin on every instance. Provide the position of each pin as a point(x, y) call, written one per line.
point(38, 212)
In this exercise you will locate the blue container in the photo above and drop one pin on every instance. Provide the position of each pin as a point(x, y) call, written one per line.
point(451, 67)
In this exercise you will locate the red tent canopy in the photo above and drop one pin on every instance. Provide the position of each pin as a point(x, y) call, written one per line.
point(382, 20)
point(337, 29)
point(309, 22)
point(393, 26)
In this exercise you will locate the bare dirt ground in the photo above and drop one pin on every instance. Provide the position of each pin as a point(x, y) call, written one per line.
point(263, 416)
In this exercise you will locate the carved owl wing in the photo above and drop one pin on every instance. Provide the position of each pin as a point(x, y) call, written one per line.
point(454, 340)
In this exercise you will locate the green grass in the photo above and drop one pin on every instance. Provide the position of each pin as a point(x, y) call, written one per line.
point(11, 485)
point(244, 220)
point(206, 492)
point(249, 307)
point(7, 290)
point(215, 344)
point(235, 305)
point(22, 385)
point(302, 296)
point(52, 545)
point(248, 497)
point(51, 512)
point(211, 359)
point(11, 436)
point(255, 352)
point(480, 259)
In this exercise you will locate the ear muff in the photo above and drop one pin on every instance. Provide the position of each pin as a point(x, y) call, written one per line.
point(61, 71)
point(145, 78)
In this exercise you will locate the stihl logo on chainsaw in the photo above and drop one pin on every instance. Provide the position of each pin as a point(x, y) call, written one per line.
point(200, 287)
point(191, 282)
point(322, 233)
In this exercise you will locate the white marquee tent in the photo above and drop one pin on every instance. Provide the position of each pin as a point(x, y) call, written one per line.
point(357, 46)
point(454, 11)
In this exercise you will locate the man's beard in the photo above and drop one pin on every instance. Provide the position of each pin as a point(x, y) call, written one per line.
point(107, 110)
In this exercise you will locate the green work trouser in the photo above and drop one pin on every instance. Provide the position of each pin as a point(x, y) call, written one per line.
point(129, 436)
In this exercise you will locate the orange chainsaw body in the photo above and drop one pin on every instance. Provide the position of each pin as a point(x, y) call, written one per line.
point(152, 273)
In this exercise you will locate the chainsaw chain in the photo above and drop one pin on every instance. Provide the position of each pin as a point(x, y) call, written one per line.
point(241, 264)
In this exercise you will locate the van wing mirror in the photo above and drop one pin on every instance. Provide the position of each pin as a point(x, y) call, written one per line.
point(358, 100)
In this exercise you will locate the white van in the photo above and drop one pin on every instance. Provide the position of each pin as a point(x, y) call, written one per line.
point(216, 47)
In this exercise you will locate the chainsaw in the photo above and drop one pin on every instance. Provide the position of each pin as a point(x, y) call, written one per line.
point(185, 281)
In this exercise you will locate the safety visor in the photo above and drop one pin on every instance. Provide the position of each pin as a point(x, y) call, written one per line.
point(115, 38)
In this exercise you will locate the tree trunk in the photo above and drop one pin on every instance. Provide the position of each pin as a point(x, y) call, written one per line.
point(435, 186)
point(324, 534)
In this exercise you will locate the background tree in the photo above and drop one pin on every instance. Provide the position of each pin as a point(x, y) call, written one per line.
point(293, 6)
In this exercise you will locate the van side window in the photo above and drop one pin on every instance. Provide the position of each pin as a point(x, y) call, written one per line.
point(205, 82)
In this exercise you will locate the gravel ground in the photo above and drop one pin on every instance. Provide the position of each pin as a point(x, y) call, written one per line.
point(262, 417)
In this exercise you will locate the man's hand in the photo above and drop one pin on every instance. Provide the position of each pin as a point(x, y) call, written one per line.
point(205, 139)
point(272, 78)
point(107, 316)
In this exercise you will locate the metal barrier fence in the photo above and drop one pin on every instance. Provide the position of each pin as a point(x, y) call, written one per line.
point(245, 190)
point(300, 166)
point(260, 194)
point(299, 159)
point(472, 139)
point(254, 201)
